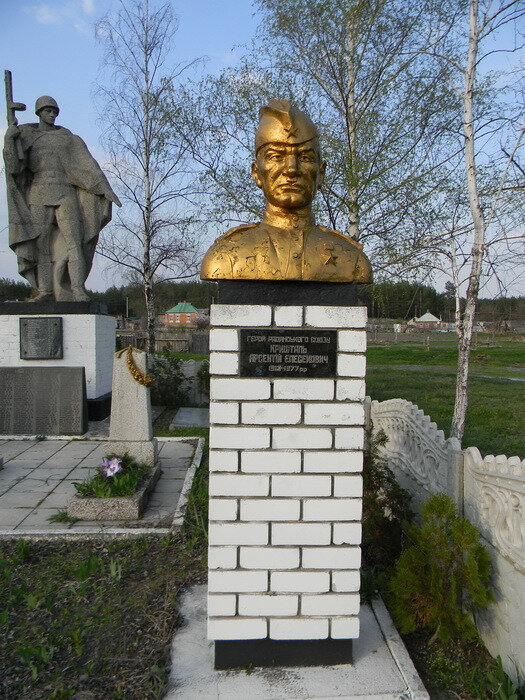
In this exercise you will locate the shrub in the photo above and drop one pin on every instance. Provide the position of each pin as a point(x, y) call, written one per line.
point(203, 378)
point(386, 506)
point(168, 388)
point(442, 576)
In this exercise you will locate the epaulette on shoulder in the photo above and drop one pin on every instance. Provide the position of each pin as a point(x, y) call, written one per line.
point(348, 239)
point(236, 229)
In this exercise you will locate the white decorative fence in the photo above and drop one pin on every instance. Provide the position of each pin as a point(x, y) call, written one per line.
point(491, 494)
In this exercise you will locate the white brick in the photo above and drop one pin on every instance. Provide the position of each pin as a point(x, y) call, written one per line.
point(219, 605)
point(301, 533)
point(348, 486)
point(336, 316)
point(330, 604)
point(224, 389)
point(272, 413)
point(288, 316)
point(265, 605)
point(332, 509)
point(224, 339)
point(301, 485)
point(224, 412)
point(239, 438)
point(298, 628)
point(351, 365)
point(350, 389)
point(223, 509)
point(301, 389)
point(349, 438)
point(238, 533)
point(222, 557)
point(346, 581)
point(237, 628)
point(239, 485)
point(270, 509)
point(271, 461)
point(331, 557)
point(352, 341)
point(237, 581)
point(347, 533)
point(224, 460)
point(344, 628)
point(305, 438)
point(269, 557)
point(240, 315)
point(300, 581)
point(332, 462)
point(334, 414)
point(224, 363)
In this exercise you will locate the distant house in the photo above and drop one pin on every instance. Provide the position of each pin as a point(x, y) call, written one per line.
point(427, 322)
point(183, 314)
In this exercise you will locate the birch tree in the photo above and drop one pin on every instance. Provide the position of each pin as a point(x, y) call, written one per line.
point(154, 237)
point(485, 216)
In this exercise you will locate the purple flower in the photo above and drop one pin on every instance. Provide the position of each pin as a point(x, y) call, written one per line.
point(110, 467)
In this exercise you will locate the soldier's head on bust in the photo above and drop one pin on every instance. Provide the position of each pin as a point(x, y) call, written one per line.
point(286, 244)
point(288, 166)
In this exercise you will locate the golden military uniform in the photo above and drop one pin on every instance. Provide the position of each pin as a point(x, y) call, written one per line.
point(266, 252)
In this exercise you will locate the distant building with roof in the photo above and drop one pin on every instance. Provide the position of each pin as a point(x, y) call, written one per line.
point(183, 314)
point(427, 322)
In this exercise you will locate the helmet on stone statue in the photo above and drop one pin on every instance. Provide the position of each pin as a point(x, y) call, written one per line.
point(46, 101)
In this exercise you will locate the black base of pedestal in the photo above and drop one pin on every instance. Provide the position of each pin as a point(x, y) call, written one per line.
point(99, 408)
point(287, 293)
point(11, 308)
point(273, 652)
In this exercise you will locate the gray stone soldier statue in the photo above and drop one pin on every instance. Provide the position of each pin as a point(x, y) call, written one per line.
point(58, 200)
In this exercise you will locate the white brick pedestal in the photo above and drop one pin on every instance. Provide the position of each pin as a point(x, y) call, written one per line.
point(285, 491)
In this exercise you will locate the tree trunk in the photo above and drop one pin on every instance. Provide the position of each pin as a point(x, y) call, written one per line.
point(467, 324)
point(150, 315)
point(353, 207)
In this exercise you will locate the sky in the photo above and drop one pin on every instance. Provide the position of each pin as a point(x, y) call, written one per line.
point(50, 48)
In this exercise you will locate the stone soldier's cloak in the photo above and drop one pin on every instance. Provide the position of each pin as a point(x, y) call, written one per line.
point(83, 172)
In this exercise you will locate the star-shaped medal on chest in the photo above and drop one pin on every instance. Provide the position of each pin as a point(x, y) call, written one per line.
point(328, 256)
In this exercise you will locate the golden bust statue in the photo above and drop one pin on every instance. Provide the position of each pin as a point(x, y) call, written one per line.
point(287, 244)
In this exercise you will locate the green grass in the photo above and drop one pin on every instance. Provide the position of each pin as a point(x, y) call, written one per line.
point(495, 416)
point(510, 354)
point(97, 618)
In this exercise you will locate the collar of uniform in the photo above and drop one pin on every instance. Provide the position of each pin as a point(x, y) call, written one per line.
point(288, 219)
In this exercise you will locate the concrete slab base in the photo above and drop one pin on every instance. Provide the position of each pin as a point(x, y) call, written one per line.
point(188, 416)
point(382, 668)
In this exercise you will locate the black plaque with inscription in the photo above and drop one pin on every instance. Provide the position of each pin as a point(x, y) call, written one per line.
point(41, 338)
point(288, 352)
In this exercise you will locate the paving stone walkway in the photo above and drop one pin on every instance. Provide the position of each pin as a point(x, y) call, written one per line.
point(37, 481)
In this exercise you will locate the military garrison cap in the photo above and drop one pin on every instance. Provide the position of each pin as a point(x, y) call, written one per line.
point(280, 121)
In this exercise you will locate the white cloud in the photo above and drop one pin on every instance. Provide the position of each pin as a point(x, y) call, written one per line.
point(72, 12)
point(44, 14)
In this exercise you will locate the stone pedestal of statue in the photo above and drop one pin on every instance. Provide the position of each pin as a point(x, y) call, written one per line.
point(45, 344)
point(286, 451)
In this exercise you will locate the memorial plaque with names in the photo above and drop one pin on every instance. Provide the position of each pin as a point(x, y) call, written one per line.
point(41, 338)
point(289, 352)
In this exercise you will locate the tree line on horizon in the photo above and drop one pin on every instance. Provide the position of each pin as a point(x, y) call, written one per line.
point(394, 300)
